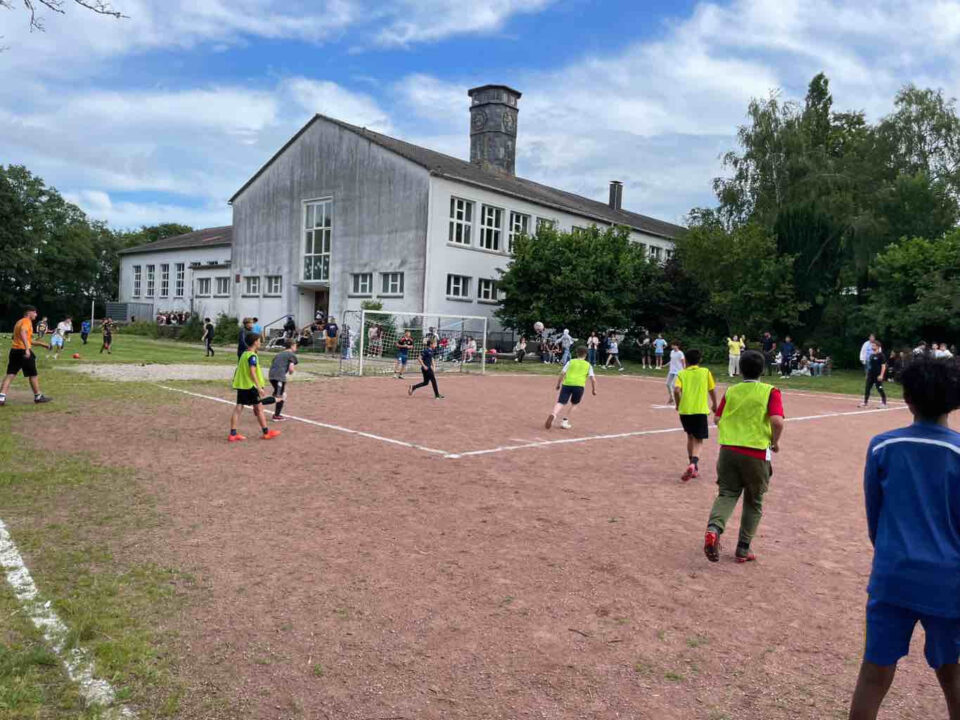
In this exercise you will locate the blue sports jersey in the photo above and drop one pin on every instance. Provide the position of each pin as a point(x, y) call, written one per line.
point(427, 357)
point(912, 488)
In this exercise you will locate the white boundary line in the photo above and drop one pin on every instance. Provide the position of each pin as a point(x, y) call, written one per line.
point(338, 428)
point(637, 433)
point(76, 661)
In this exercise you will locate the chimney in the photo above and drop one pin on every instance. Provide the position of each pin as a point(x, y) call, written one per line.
point(493, 127)
point(616, 194)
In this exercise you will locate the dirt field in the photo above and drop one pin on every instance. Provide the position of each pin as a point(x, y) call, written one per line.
point(392, 557)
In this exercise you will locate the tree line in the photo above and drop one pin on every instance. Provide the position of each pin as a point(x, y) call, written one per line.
point(826, 227)
point(52, 255)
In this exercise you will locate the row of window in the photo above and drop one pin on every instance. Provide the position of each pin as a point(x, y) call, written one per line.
point(459, 288)
point(179, 270)
point(491, 225)
point(391, 284)
point(272, 286)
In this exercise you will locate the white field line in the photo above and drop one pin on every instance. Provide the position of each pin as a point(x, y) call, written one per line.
point(76, 661)
point(637, 433)
point(338, 428)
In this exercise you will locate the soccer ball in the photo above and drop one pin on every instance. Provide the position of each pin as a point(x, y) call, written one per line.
point(538, 326)
point(76, 356)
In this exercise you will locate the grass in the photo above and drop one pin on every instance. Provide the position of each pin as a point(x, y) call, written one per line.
point(68, 516)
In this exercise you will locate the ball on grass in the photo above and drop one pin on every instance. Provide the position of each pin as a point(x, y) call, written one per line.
point(76, 356)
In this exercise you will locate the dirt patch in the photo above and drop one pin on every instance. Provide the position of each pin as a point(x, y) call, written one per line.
point(351, 578)
point(157, 372)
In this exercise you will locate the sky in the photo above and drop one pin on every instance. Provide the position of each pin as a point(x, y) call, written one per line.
point(162, 115)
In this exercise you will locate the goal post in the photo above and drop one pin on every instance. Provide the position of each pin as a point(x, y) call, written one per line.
point(461, 341)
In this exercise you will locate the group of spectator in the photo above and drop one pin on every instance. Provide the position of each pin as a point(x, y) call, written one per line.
point(790, 359)
point(935, 350)
point(173, 318)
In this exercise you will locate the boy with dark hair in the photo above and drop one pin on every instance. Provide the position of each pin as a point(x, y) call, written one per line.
point(208, 331)
point(693, 385)
point(876, 374)
point(107, 341)
point(22, 358)
point(571, 384)
point(749, 425)
point(246, 326)
point(912, 492)
point(677, 363)
point(404, 346)
point(248, 382)
point(426, 368)
point(282, 365)
point(84, 331)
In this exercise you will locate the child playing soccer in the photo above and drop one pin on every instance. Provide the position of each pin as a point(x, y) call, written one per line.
point(248, 382)
point(404, 345)
point(84, 331)
point(677, 363)
point(426, 367)
point(694, 384)
point(749, 423)
point(107, 330)
point(912, 491)
point(571, 383)
point(282, 365)
point(59, 335)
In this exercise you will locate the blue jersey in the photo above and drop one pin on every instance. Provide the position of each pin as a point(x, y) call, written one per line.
point(659, 344)
point(427, 357)
point(912, 488)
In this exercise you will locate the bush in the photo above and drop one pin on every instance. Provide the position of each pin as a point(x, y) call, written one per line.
point(226, 330)
point(147, 328)
point(192, 329)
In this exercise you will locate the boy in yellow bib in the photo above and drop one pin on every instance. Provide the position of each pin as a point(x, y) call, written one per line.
point(571, 384)
point(249, 384)
point(690, 391)
point(750, 423)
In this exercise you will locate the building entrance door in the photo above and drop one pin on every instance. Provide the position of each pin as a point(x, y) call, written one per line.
point(321, 301)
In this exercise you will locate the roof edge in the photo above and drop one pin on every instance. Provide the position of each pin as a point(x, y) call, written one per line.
point(146, 248)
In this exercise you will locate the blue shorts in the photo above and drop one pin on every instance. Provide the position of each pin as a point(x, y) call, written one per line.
point(569, 393)
point(890, 627)
point(56, 341)
point(402, 356)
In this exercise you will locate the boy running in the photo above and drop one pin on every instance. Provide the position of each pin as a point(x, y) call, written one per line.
point(282, 365)
point(404, 346)
point(59, 335)
point(248, 382)
point(876, 372)
point(22, 358)
point(426, 367)
point(749, 423)
point(912, 492)
point(677, 363)
point(571, 383)
point(694, 384)
point(107, 330)
point(207, 338)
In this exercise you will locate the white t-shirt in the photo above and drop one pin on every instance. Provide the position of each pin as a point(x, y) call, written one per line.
point(63, 328)
point(593, 341)
point(676, 361)
point(589, 372)
point(613, 348)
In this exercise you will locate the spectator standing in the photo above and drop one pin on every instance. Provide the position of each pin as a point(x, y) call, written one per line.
point(257, 328)
point(566, 342)
point(734, 347)
point(786, 357)
point(330, 333)
point(865, 351)
point(768, 347)
point(646, 351)
point(659, 346)
point(593, 345)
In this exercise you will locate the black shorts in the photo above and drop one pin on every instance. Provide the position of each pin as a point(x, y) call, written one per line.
point(19, 362)
point(569, 393)
point(279, 387)
point(695, 426)
point(248, 397)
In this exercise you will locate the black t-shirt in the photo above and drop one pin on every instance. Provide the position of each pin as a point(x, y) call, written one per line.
point(427, 357)
point(875, 363)
point(209, 328)
point(332, 330)
point(767, 344)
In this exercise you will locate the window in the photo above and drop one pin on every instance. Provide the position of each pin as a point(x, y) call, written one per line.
point(519, 225)
point(164, 280)
point(458, 286)
point(317, 231)
point(577, 228)
point(223, 286)
point(363, 283)
point(136, 281)
point(656, 252)
point(545, 224)
point(461, 221)
point(491, 220)
point(392, 284)
point(274, 285)
point(203, 287)
point(487, 290)
point(668, 253)
point(251, 285)
point(180, 275)
point(150, 279)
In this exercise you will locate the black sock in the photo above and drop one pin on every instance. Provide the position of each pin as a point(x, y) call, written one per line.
point(743, 547)
point(696, 462)
point(279, 410)
point(264, 431)
point(232, 433)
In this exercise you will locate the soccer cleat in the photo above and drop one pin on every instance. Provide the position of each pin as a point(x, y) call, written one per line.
point(438, 397)
point(236, 438)
point(269, 435)
point(278, 418)
point(549, 423)
point(696, 471)
point(621, 369)
point(42, 399)
point(410, 390)
point(711, 546)
point(745, 557)
point(690, 472)
point(863, 405)
point(565, 424)
point(3, 400)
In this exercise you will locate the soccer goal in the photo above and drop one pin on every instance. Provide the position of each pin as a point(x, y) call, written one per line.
point(461, 341)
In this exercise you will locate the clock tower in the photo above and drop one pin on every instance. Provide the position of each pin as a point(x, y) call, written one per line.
point(493, 127)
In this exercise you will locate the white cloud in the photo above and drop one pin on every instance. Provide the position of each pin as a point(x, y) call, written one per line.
point(328, 98)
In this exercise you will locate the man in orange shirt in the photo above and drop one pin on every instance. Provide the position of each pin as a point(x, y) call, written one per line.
point(22, 357)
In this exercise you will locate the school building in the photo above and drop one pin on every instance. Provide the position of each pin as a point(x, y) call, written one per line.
point(341, 214)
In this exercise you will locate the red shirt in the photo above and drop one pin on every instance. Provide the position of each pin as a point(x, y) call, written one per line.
point(774, 407)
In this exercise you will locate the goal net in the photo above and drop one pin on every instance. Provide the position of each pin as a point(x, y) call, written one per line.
point(461, 342)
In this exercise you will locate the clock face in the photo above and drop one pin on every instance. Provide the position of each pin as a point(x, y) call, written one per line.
point(478, 119)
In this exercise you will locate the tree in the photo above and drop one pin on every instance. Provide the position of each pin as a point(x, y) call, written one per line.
point(34, 7)
point(581, 280)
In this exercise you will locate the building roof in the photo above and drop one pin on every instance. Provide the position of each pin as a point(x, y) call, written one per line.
point(206, 238)
point(456, 169)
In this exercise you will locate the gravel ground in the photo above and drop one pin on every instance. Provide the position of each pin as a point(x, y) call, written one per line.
point(148, 373)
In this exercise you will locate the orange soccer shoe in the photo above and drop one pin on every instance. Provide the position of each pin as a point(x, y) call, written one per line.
point(711, 546)
point(270, 435)
point(235, 438)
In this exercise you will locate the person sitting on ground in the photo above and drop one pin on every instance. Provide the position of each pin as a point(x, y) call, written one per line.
point(520, 349)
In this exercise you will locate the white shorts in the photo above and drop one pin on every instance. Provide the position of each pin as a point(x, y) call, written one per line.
point(56, 341)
